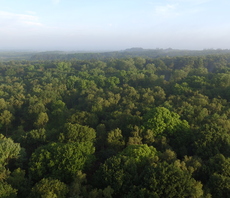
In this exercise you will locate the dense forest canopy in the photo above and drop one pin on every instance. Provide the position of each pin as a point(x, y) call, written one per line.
point(115, 125)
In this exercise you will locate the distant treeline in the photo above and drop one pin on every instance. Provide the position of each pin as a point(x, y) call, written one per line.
point(128, 53)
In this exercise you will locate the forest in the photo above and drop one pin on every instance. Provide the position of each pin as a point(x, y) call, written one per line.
point(115, 127)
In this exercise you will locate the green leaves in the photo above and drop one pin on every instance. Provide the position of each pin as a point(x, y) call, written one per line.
point(5, 119)
point(77, 133)
point(115, 140)
point(139, 169)
point(8, 150)
point(139, 153)
point(49, 188)
point(42, 119)
point(60, 161)
point(124, 171)
point(168, 180)
point(164, 122)
point(219, 185)
point(6, 191)
point(212, 139)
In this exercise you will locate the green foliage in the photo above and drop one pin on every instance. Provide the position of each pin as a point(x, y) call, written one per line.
point(135, 136)
point(139, 153)
point(8, 150)
point(115, 140)
point(164, 122)
point(60, 160)
point(78, 187)
point(33, 139)
point(212, 139)
point(18, 180)
point(5, 119)
point(124, 171)
point(102, 193)
point(84, 118)
point(217, 164)
point(168, 180)
point(160, 125)
point(77, 133)
point(49, 188)
point(182, 89)
point(42, 119)
point(6, 191)
point(219, 185)
point(63, 66)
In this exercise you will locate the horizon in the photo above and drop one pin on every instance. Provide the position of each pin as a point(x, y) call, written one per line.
point(102, 51)
point(98, 51)
point(58, 25)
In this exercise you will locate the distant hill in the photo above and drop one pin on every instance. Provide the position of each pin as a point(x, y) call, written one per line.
point(132, 52)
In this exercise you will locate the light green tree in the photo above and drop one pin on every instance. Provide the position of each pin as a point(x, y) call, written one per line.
point(42, 119)
point(49, 188)
point(164, 122)
point(6, 191)
point(8, 150)
point(77, 133)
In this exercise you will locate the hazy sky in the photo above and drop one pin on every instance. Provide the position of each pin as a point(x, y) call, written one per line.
point(114, 24)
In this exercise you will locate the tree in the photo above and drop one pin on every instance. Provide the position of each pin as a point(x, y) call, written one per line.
point(6, 118)
point(18, 180)
point(217, 164)
point(6, 191)
point(77, 133)
point(58, 113)
point(84, 118)
point(210, 140)
point(136, 136)
point(177, 75)
point(126, 64)
point(49, 188)
point(219, 185)
point(63, 66)
point(168, 180)
point(139, 62)
point(33, 139)
point(60, 160)
point(80, 188)
point(115, 140)
point(124, 171)
point(42, 119)
point(159, 95)
point(139, 153)
point(8, 150)
point(164, 122)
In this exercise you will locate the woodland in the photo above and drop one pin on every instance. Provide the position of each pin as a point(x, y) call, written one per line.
point(115, 127)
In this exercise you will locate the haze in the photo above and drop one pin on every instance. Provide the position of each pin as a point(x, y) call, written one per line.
point(114, 24)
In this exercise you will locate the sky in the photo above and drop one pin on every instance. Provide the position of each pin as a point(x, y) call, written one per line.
point(91, 25)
